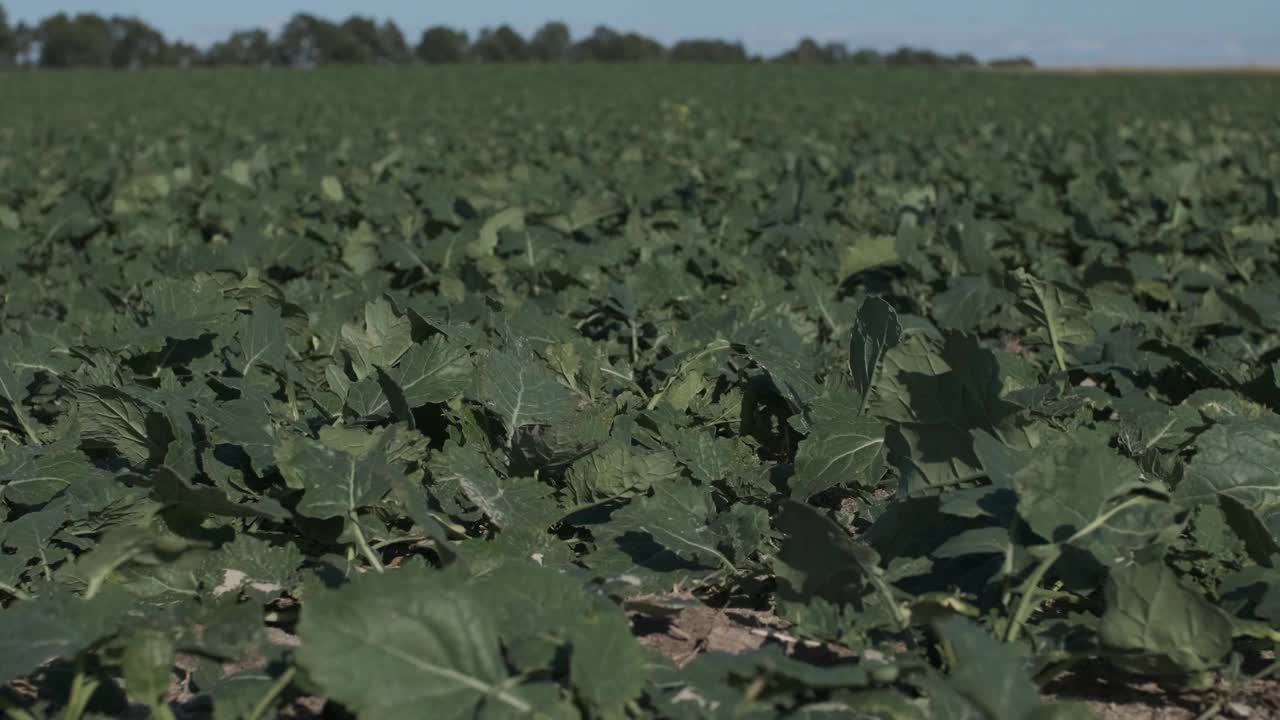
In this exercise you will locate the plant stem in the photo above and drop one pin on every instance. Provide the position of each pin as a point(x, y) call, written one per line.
point(1213, 710)
point(363, 545)
point(13, 712)
point(11, 590)
point(272, 693)
point(1027, 594)
point(635, 344)
point(82, 690)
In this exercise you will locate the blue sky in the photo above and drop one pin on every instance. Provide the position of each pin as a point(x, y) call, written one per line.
point(1055, 32)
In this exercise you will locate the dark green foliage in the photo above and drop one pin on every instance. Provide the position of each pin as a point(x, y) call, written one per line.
point(466, 377)
point(442, 45)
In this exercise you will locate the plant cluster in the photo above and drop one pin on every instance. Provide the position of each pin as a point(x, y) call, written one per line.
point(439, 395)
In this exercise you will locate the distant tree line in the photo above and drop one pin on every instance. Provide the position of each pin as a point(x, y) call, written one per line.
point(90, 40)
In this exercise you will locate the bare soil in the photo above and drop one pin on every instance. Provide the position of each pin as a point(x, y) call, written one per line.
point(687, 629)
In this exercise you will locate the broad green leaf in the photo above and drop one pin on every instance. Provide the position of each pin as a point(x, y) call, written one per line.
point(1059, 316)
point(1239, 460)
point(988, 679)
point(433, 371)
point(32, 476)
point(968, 302)
point(843, 448)
point(253, 564)
point(1083, 494)
point(653, 542)
point(335, 484)
point(110, 417)
point(382, 341)
point(124, 546)
point(262, 338)
point(180, 310)
point(418, 646)
point(148, 659)
point(519, 388)
point(507, 502)
point(714, 460)
point(875, 332)
point(818, 558)
point(868, 252)
point(616, 469)
point(36, 632)
point(608, 666)
point(1161, 625)
point(246, 423)
point(13, 382)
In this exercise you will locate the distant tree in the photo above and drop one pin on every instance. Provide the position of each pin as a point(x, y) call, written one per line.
point(244, 47)
point(866, 56)
point(707, 51)
point(963, 59)
point(606, 45)
point(183, 55)
point(502, 45)
point(393, 44)
point(442, 45)
point(551, 43)
point(907, 55)
point(806, 52)
point(307, 40)
point(136, 44)
point(1012, 63)
point(25, 43)
point(8, 40)
point(83, 41)
point(385, 43)
point(835, 52)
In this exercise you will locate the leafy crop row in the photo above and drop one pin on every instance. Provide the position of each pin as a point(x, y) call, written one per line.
point(430, 392)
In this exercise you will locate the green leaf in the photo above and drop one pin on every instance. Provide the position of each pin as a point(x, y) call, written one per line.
point(332, 189)
point(508, 503)
point(1239, 459)
point(1161, 625)
point(658, 540)
point(253, 564)
point(843, 448)
point(487, 239)
point(13, 382)
point(616, 469)
point(521, 390)
point(335, 484)
point(262, 338)
point(875, 332)
point(1081, 493)
point(869, 252)
point(1059, 315)
point(113, 418)
point(433, 371)
point(710, 459)
point(968, 302)
point(988, 679)
point(384, 338)
point(608, 666)
point(124, 546)
point(417, 646)
point(33, 476)
point(148, 659)
point(818, 559)
point(33, 633)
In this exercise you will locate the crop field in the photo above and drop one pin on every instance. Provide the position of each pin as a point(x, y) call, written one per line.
point(639, 392)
